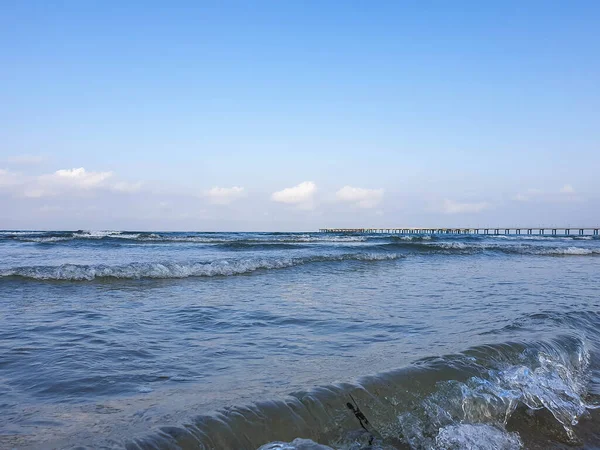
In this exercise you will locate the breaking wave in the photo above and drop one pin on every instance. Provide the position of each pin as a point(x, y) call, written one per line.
point(54, 237)
point(463, 244)
point(80, 272)
point(474, 400)
point(458, 247)
point(291, 239)
point(202, 238)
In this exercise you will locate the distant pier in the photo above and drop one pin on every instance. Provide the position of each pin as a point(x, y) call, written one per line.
point(545, 231)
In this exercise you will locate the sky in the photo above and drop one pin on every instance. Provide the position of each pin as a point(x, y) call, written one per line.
point(298, 115)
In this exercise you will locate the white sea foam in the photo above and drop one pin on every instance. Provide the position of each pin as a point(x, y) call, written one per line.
point(570, 251)
point(476, 437)
point(200, 239)
point(451, 437)
point(40, 237)
point(46, 239)
point(77, 272)
point(533, 237)
point(100, 234)
point(95, 234)
point(459, 415)
point(296, 444)
point(324, 239)
point(525, 249)
point(20, 233)
point(456, 245)
point(127, 236)
point(49, 237)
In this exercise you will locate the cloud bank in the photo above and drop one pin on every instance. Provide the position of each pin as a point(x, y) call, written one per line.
point(80, 197)
point(63, 182)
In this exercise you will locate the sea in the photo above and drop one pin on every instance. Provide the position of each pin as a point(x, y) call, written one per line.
point(283, 341)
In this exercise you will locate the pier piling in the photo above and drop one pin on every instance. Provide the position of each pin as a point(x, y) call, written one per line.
point(542, 231)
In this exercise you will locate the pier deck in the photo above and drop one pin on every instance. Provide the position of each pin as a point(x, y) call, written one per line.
point(543, 231)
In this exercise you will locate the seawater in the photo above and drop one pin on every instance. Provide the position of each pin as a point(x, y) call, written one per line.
point(139, 340)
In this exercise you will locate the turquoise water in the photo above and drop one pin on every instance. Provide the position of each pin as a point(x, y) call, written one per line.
point(243, 340)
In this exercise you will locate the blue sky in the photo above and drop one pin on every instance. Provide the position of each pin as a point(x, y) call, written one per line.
point(275, 115)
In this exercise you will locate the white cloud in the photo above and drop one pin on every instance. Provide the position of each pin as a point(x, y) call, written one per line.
point(61, 182)
point(452, 207)
point(79, 177)
point(224, 196)
point(363, 198)
point(301, 195)
point(567, 189)
point(26, 159)
point(66, 180)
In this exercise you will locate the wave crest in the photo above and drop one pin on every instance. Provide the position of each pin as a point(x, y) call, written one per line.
point(476, 399)
point(77, 272)
point(544, 378)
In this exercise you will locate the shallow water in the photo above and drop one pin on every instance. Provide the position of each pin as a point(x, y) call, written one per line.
point(243, 340)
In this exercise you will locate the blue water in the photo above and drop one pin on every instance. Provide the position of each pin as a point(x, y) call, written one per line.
point(243, 340)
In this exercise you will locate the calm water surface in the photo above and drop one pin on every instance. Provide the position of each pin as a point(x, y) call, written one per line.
point(247, 340)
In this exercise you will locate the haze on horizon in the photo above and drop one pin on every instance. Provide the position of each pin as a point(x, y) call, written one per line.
point(298, 115)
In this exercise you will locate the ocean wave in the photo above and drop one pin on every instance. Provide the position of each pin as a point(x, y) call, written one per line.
point(556, 251)
point(236, 240)
point(296, 444)
point(26, 235)
point(243, 245)
point(417, 245)
point(58, 236)
point(78, 272)
point(96, 234)
point(575, 246)
point(415, 238)
point(46, 239)
point(455, 246)
point(466, 242)
point(146, 237)
point(476, 400)
point(545, 377)
point(532, 237)
point(325, 238)
point(570, 251)
point(452, 437)
point(20, 233)
point(478, 436)
point(459, 247)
